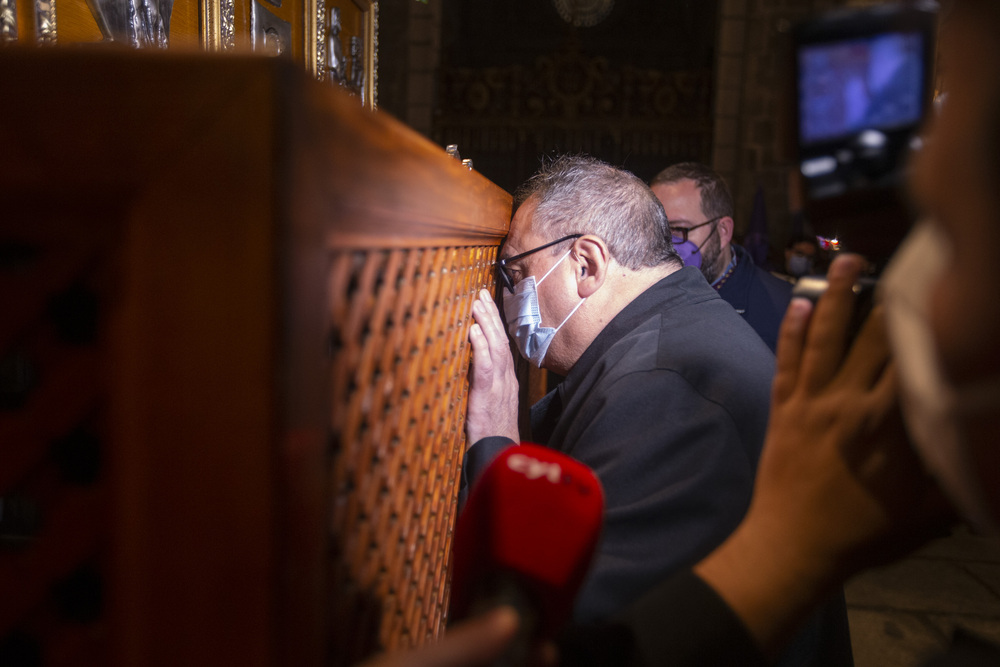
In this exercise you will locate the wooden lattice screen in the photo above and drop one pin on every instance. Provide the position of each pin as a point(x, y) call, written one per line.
point(399, 396)
point(244, 448)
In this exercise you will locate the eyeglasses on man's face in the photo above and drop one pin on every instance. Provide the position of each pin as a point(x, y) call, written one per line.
point(503, 272)
point(680, 234)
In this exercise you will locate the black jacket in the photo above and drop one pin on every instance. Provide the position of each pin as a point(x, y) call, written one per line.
point(669, 407)
point(758, 296)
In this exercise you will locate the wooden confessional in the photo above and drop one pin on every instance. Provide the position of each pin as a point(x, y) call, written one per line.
point(233, 362)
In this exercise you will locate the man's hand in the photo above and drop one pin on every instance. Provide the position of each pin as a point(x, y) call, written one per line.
point(493, 384)
point(477, 641)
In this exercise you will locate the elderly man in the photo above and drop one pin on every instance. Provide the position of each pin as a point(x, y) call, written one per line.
point(666, 391)
point(700, 210)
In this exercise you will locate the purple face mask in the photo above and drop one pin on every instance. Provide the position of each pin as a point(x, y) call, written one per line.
point(690, 253)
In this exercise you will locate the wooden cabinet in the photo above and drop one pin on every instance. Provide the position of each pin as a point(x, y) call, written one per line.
point(233, 359)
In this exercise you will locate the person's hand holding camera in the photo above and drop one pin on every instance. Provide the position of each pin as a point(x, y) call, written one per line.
point(838, 487)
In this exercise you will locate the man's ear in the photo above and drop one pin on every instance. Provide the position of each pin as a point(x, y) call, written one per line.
point(726, 226)
point(592, 259)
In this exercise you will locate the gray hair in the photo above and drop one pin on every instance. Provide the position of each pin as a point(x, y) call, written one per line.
point(578, 194)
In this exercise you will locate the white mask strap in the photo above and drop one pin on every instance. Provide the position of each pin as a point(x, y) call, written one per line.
point(575, 308)
point(539, 282)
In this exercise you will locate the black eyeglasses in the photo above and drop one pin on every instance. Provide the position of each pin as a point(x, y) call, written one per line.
point(680, 234)
point(501, 265)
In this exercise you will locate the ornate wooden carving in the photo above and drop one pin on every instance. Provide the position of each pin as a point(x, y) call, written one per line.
point(294, 28)
point(346, 47)
point(398, 377)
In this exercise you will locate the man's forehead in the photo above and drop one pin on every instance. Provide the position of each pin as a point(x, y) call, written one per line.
point(520, 232)
point(681, 200)
point(687, 186)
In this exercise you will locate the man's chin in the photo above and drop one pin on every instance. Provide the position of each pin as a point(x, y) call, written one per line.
point(710, 275)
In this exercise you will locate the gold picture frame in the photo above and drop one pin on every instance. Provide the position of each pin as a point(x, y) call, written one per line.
point(350, 58)
point(217, 24)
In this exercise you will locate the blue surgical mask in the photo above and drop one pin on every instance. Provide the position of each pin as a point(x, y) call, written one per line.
point(524, 319)
point(799, 265)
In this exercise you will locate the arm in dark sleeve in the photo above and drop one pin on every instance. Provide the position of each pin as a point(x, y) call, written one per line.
point(680, 622)
point(475, 460)
point(677, 480)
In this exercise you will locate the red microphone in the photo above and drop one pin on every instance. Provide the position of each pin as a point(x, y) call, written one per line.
point(526, 538)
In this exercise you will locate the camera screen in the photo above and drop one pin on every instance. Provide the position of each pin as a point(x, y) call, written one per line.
point(849, 86)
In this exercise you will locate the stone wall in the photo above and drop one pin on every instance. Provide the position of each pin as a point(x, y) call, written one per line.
point(409, 56)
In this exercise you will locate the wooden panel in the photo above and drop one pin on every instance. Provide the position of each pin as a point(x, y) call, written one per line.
point(53, 425)
point(187, 342)
point(76, 24)
point(399, 369)
point(276, 378)
point(410, 238)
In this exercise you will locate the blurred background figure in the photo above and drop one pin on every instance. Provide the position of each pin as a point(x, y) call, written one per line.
point(802, 257)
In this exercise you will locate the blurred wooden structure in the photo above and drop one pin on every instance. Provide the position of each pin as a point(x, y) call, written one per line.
point(302, 31)
point(233, 360)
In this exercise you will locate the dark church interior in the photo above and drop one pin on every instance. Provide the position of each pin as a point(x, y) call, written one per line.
point(240, 246)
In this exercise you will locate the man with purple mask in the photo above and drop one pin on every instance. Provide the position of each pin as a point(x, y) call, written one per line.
point(700, 210)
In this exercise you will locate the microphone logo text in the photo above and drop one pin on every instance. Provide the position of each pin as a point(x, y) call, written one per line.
point(534, 469)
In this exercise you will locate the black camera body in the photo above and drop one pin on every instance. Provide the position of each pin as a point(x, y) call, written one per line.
point(864, 80)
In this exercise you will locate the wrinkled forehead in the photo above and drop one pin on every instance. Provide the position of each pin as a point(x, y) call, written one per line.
point(521, 236)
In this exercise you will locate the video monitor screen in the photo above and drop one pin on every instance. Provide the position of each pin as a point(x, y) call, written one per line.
point(849, 86)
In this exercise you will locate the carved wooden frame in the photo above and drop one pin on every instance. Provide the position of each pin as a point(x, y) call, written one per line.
point(316, 39)
point(218, 32)
point(369, 12)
